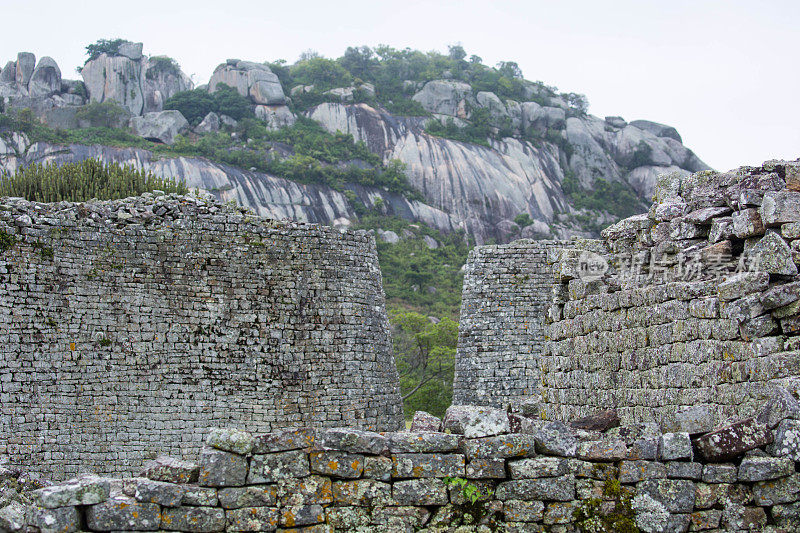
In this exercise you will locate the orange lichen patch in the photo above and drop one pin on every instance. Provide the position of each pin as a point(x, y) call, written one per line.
point(135, 514)
point(167, 519)
point(417, 471)
point(333, 466)
point(122, 505)
point(72, 346)
point(355, 465)
point(288, 518)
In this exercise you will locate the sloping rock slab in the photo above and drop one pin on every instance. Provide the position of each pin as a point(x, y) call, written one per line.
point(730, 441)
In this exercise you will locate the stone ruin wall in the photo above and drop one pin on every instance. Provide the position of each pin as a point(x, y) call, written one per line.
point(699, 306)
point(709, 317)
point(532, 476)
point(131, 327)
point(507, 290)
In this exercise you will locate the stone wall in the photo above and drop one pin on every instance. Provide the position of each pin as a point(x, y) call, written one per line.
point(543, 477)
point(699, 305)
point(130, 327)
point(507, 290)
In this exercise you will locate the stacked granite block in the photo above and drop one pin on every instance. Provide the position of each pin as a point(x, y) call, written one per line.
point(501, 331)
point(131, 327)
point(473, 475)
point(699, 303)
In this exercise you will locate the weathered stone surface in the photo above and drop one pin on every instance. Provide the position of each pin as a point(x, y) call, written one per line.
point(423, 421)
point(765, 468)
point(747, 223)
point(12, 517)
point(786, 516)
point(485, 469)
point(444, 97)
point(772, 254)
point(424, 465)
point(742, 284)
point(602, 450)
point(149, 491)
point(230, 440)
point(677, 495)
point(378, 468)
point(193, 519)
point(338, 464)
point(781, 296)
point(635, 471)
point(787, 440)
point(553, 488)
point(401, 518)
point(252, 496)
point(560, 512)
point(473, 421)
point(538, 467)
point(719, 473)
point(739, 518)
point(45, 79)
point(601, 421)
point(61, 520)
point(126, 514)
point(780, 207)
point(557, 439)
point(305, 515)
point(252, 519)
point(420, 492)
point(702, 520)
point(305, 491)
point(200, 496)
point(781, 406)
point(353, 440)
point(731, 441)
point(285, 440)
point(85, 490)
point(170, 469)
point(782, 490)
point(502, 446)
point(221, 469)
point(675, 447)
point(523, 511)
point(271, 467)
point(362, 492)
point(421, 442)
point(160, 126)
point(644, 449)
point(684, 470)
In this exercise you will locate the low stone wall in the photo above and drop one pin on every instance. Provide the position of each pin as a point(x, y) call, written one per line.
point(129, 327)
point(507, 290)
point(696, 303)
point(543, 477)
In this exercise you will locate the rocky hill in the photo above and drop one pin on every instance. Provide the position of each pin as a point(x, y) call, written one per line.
point(482, 149)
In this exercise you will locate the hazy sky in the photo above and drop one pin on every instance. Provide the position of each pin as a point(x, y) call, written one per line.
point(724, 73)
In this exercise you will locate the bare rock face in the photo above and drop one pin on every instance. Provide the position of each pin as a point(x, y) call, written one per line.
point(26, 62)
point(276, 117)
point(162, 126)
point(162, 79)
point(46, 78)
point(731, 441)
point(253, 80)
point(117, 78)
point(445, 97)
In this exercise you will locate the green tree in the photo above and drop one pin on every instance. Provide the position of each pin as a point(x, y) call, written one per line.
point(320, 72)
point(228, 101)
point(108, 114)
point(194, 105)
point(425, 356)
point(104, 46)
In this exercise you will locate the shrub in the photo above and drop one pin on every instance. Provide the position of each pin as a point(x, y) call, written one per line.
point(229, 102)
point(159, 64)
point(104, 46)
point(523, 220)
point(82, 181)
point(194, 105)
point(108, 114)
point(320, 72)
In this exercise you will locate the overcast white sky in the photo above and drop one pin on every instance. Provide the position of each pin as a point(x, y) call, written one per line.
point(724, 73)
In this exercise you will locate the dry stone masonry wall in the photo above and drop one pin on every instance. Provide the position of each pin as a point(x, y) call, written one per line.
point(507, 291)
point(699, 307)
point(131, 327)
point(489, 472)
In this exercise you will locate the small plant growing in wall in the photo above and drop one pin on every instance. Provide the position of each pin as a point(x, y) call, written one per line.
point(6, 241)
point(593, 517)
point(474, 509)
point(105, 341)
